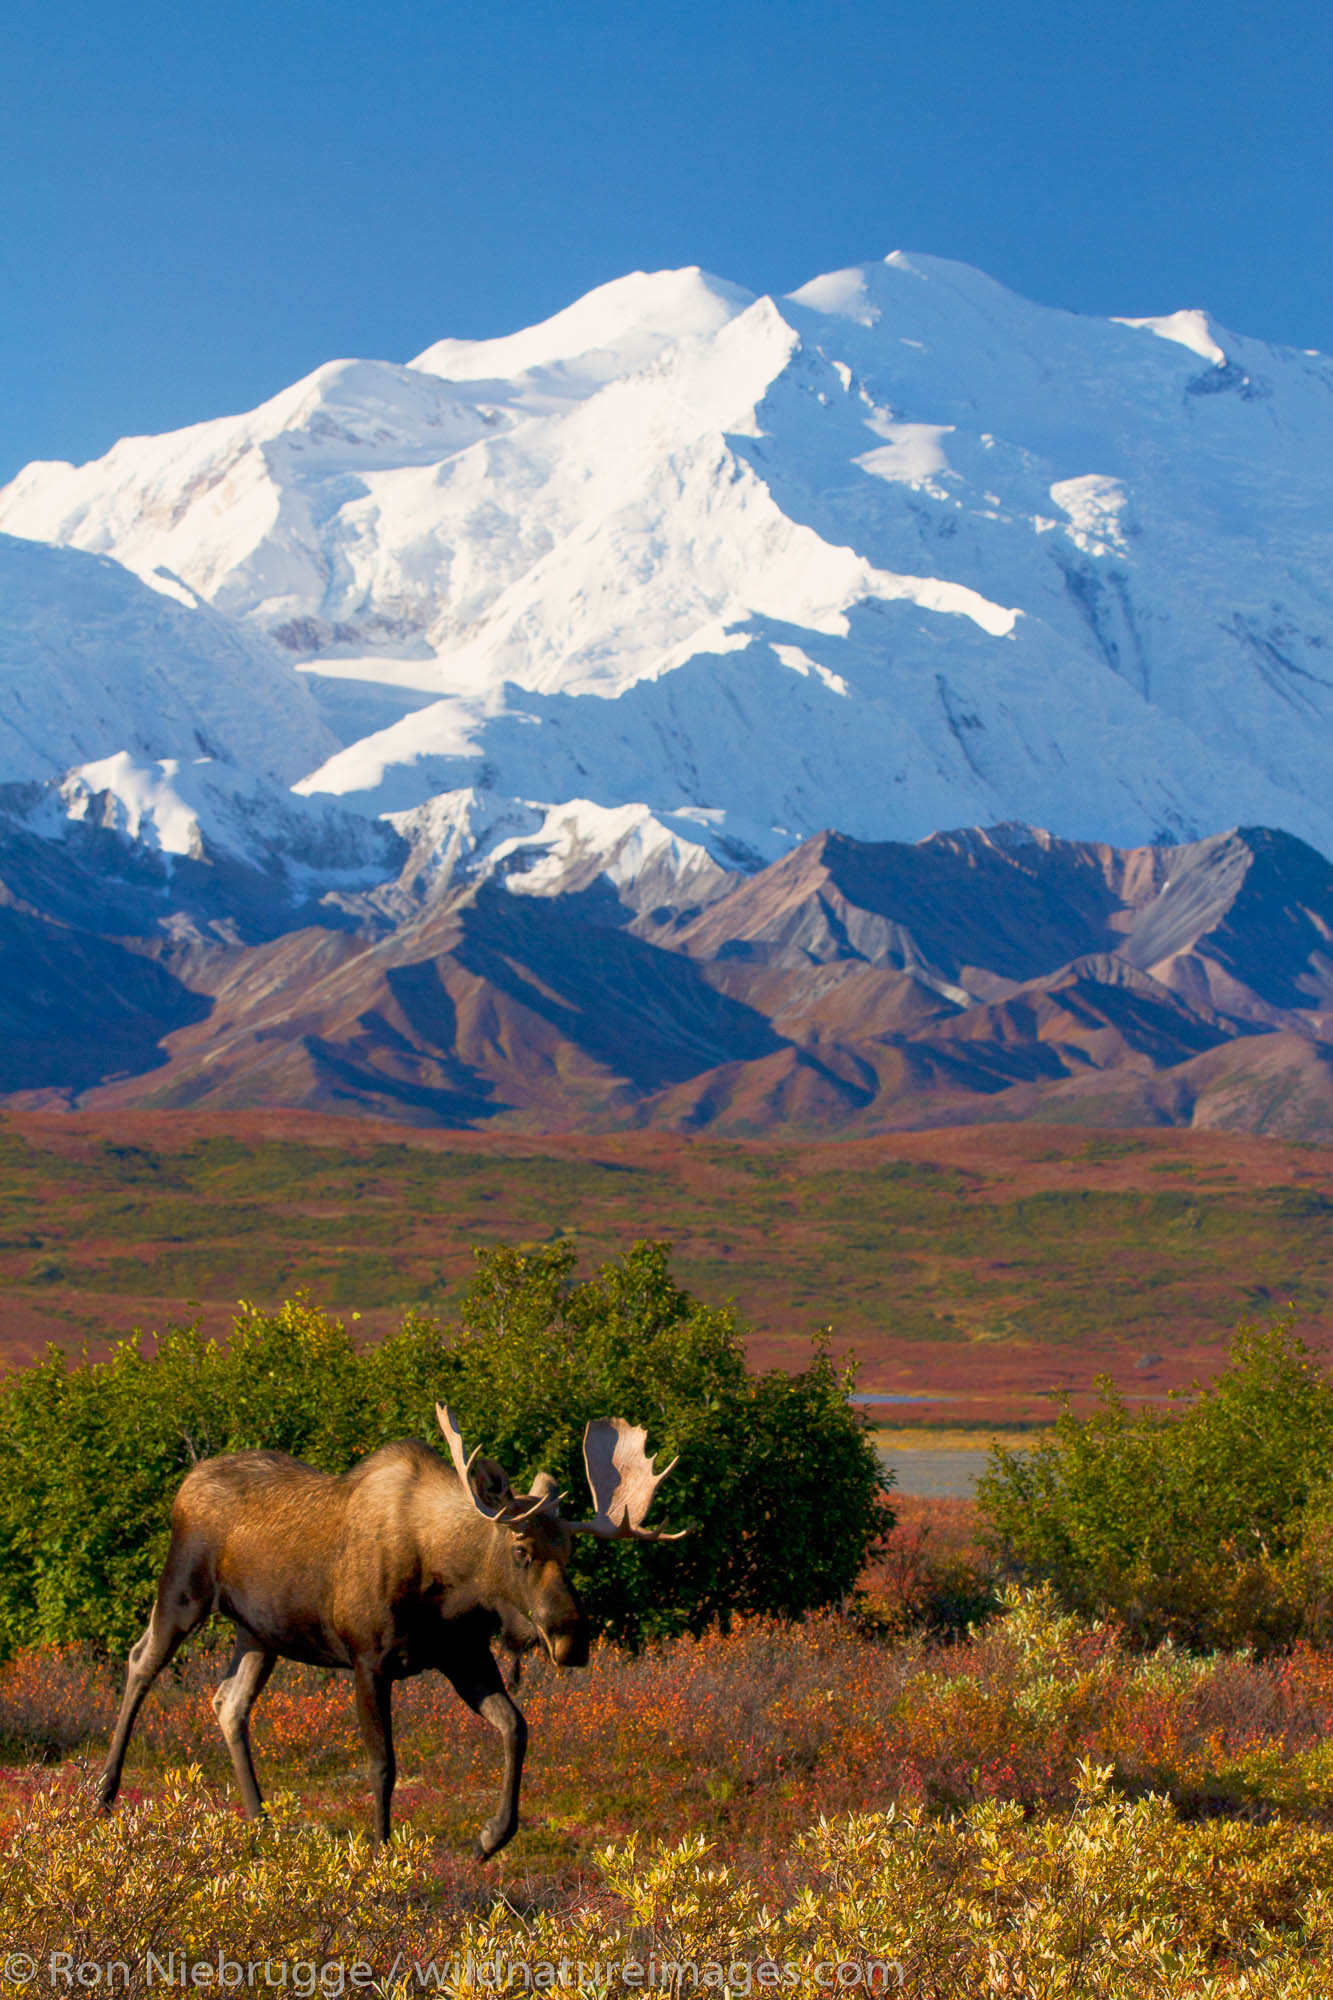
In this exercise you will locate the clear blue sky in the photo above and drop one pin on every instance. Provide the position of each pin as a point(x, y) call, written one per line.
point(201, 202)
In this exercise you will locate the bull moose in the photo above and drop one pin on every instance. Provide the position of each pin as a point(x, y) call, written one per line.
point(398, 1565)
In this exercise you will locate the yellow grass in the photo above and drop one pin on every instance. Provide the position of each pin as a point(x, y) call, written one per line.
point(922, 1437)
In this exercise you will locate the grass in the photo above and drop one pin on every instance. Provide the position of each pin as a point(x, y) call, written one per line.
point(959, 1437)
point(1064, 1252)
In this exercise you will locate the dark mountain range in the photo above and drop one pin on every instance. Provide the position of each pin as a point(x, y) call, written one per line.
point(850, 986)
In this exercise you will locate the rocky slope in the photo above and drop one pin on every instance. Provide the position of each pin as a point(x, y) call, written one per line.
point(847, 987)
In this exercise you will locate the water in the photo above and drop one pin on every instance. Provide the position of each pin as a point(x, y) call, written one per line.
point(928, 1473)
point(881, 1396)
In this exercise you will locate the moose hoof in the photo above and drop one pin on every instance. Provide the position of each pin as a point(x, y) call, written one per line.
point(490, 1840)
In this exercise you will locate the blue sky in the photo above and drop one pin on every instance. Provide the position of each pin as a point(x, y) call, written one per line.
point(202, 202)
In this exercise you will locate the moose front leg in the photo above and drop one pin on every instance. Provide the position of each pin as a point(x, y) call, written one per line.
point(481, 1687)
point(374, 1695)
point(503, 1715)
point(176, 1614)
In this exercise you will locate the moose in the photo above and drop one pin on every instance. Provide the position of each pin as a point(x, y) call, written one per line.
point(398, 1565)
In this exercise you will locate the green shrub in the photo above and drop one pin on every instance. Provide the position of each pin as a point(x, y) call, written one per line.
point(1209, 1524)
point(777, 1480)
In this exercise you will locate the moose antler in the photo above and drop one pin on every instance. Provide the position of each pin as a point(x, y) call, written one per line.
point(486, 1482)
point(623, 1482)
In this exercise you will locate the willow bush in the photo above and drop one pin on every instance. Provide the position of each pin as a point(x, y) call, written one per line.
point(777, 1481)
point(1116, 1900)
point(1209, 1523)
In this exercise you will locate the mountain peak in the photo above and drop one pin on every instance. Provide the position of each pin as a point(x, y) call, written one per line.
point(1191, 328)
point(615, 327)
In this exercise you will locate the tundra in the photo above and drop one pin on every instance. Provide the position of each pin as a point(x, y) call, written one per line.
point(398, 1565)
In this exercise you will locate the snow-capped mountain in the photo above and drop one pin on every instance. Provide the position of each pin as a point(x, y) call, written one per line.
point(900, 551)
point(165, 723)
point(96, 665)
point(387, 740)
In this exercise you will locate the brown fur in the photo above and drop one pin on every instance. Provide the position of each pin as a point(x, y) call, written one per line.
point(385, 1571)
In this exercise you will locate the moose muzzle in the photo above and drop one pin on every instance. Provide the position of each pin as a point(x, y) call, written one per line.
point(568, 1646)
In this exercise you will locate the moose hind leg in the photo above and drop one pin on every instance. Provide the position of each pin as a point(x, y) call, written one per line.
point(374, 1696)
point(249, 1668)
point(482, 1689)
point(175, 1615)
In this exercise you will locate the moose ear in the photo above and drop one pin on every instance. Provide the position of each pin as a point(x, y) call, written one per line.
point(490, 1482)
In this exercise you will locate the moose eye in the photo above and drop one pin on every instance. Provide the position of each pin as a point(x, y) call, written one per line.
point(522, 1556)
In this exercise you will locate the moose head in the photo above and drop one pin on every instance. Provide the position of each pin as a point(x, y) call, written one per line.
point(542, 1604)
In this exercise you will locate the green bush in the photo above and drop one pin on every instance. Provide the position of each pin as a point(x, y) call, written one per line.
point(1209, 1524)
point(777, 1480)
